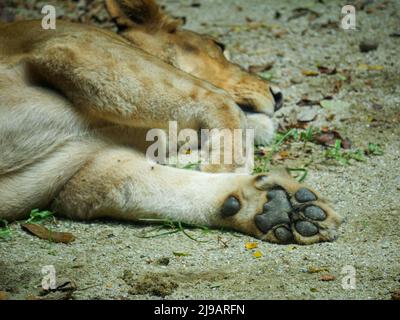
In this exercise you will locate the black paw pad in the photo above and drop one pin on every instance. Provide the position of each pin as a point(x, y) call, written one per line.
point(315, 213)
point(306, 229)
point(230, 207)
point(277, 201)
point(283, 234)
point(305, 195)
point(275, 212)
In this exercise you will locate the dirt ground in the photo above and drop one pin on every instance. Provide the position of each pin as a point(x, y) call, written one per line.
point(111, 260)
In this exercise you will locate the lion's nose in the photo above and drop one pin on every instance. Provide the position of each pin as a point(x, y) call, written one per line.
point(278, 97)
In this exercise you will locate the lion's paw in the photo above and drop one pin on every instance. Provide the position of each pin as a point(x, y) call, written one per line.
point(281, 210)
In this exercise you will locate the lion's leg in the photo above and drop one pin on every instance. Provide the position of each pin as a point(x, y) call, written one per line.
point(121, 184)
point(110, 80)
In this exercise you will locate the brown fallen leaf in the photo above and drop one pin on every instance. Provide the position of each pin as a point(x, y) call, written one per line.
point(327, 277)
point(329, 137)
point(337, 85)
point(326, 70)
point(280, 156)
point(284, 127)
point(317, 270)
point(58, 295)
point(301, 12)
point(3, 295)
point(65, 289)
point(284, 154)
point(261, 68)
point(307, 102)
point(44, 233)
point(326, 139)
point(396, 295)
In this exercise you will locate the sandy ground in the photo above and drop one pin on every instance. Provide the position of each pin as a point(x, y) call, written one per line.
point(109, 260)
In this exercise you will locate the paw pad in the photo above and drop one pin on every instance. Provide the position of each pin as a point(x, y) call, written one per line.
point(315, 213)
point(283, 234)
point(275, 211)
point(230, 207)
point(306, 228)
point(287, 218)
point(305, 195)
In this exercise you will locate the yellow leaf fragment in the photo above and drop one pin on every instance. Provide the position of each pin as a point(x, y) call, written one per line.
point(251, 245)
point(309, 73)
point(257, 254)
point(181, 254)
point(364, 66)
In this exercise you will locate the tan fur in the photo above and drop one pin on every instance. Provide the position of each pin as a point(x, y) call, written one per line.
point(75, 105)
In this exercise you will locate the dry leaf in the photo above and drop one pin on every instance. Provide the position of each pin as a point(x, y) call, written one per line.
point(309, 73)
point(284, 154)
point(65, 289)
point(301, 12)
point(364, 66)
point(251, 245)
point(317, 270)
point(329, 137)
point(3, 295)
point(337, 86)
point(326, 70)
point(280, 156)
point(325, 129)
point(327, 277)
point(44, 233)
point(396, 295)
point(57, 295)
point(307, 102)
point(257, 254)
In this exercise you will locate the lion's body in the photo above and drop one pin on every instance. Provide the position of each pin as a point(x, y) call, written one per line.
point(75, 104)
